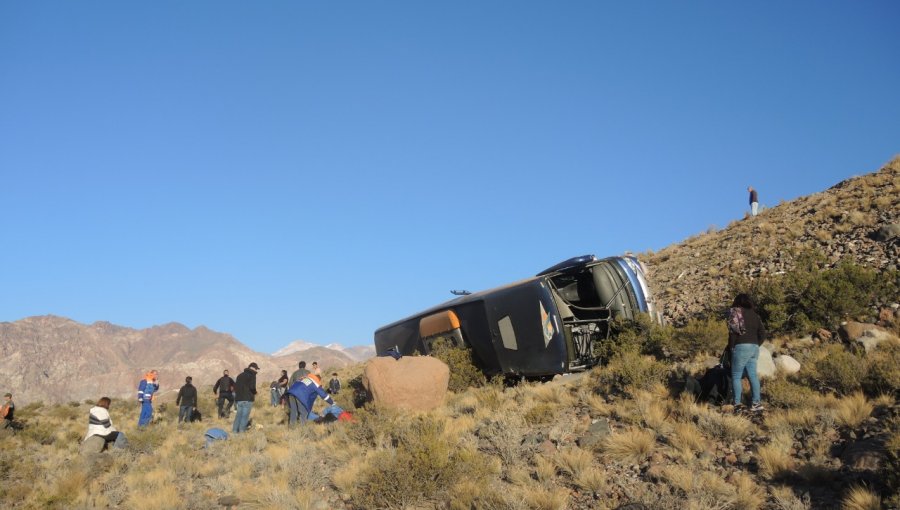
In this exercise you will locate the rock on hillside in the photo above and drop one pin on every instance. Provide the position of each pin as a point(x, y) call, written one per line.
point(857, 219)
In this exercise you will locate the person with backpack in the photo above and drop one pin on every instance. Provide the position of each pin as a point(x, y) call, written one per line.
point(746, 333)
point(302, 395)
point(224, 387)
point(187, 400)
point(148, 386)
point(100, 424)
point(244, 395)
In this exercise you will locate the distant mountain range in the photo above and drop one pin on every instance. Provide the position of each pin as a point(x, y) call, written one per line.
point(55, 359)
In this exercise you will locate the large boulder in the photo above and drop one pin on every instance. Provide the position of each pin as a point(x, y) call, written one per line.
point(765, 366)
point(868, 335)
point(415, 383)
point(787, 365)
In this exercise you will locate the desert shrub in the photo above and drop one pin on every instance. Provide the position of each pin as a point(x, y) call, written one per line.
point(837, 370)
point(629, 371)
point(709, 335)
point(65, 413)
point(891, 468)
point(640, 335)
point(541, 413)
point(424, 464)
point(147, 439)
point(782, 392)
point(814, 296)
point(40, 432)
point(463, 371)
point(883, 374)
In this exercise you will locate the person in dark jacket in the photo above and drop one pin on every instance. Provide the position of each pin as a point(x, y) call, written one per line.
point(244, 395)
point(746, 333)
point(187, 400)
point(224, 388)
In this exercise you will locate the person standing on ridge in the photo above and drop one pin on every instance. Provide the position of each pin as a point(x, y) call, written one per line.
point(754, 201)
point(148, 386)
point(187, 400)
point(225, 389)
point(244, 395)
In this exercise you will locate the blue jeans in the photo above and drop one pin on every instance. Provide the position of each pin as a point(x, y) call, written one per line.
point(146, 413)
point(743, 360)
point(184, 414)
point(274, 392)
point(242, 416)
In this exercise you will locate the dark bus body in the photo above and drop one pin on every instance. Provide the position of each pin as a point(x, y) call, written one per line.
point(537, 327)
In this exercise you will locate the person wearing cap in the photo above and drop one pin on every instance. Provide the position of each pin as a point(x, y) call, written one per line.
point(224, 388)
point(187, 400)
point(148, 386)
point(244, 395)
point(303, 395)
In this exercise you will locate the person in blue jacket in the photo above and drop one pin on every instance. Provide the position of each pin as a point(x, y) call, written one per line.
point(302, 395)
point(148, 386)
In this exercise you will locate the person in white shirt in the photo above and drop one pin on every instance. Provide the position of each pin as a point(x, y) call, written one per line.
point(100, 424)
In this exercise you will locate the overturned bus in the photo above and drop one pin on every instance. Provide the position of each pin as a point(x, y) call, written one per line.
point(534, 328)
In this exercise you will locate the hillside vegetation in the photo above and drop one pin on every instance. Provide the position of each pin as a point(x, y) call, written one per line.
point(624, 433)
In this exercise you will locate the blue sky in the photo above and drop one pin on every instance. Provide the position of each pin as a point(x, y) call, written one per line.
point(314, 170)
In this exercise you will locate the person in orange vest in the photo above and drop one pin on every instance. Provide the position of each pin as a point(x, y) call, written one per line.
point(303, 395)
point(148, 386)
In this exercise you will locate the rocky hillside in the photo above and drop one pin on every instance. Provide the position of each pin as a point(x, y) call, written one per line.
point(54, 359)
point(857, 219)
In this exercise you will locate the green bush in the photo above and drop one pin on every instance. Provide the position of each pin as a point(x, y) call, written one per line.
point(883, 373)
point(424, 465)
point(464, 373)
point(781, 392)
point(813, 296)
point(629, 371)
point(640, 335)
point(836, 370)
point(709, 335)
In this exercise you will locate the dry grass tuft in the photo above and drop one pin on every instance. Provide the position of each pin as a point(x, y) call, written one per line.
point(631, 446)
point(853, 410)
point(861, 498)
point(574, 461)
point(774, 461)
point(687, 439)
point(726, 427)
point(785, 499)
point(592, 479)
point(546, 499)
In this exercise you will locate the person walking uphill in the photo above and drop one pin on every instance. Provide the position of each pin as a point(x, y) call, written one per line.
point(754, 201)
point(244, 395)
point(148, 386)
point(746, 333)
point(187, 400)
